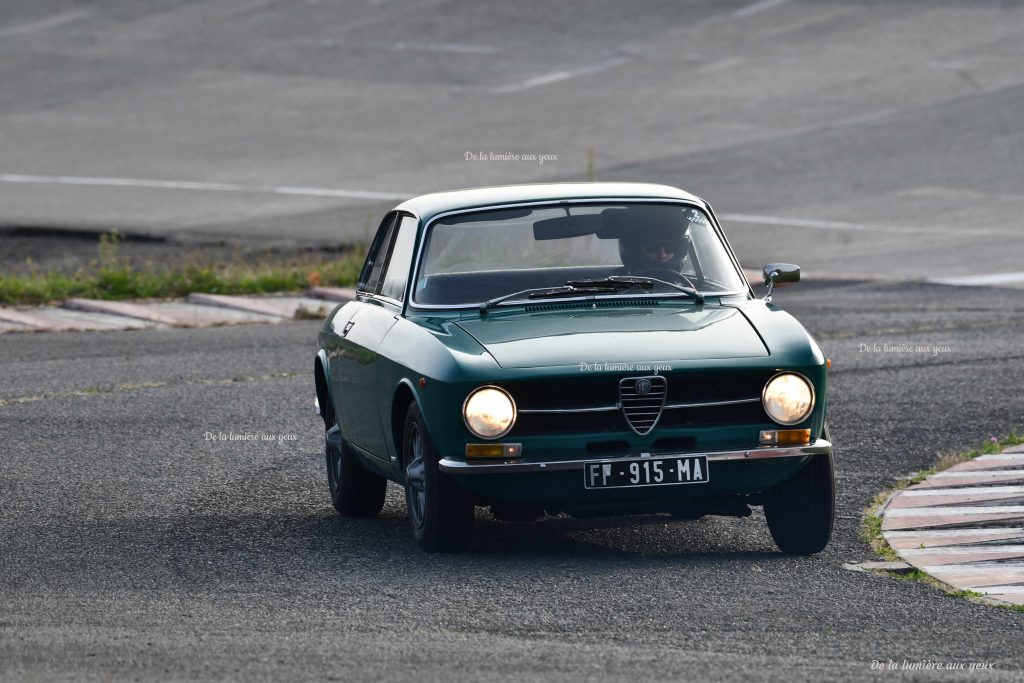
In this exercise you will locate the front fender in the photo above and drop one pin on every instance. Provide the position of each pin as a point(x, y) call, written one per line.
point(434, 367)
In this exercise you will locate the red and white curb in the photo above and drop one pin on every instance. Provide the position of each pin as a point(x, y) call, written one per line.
point(965, 525)
point(199, 310)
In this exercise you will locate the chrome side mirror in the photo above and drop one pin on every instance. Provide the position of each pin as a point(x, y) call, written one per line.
point(780, 274)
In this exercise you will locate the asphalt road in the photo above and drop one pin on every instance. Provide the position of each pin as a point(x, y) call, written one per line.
point(133, 547)
point(862, 138)
point(866, 138)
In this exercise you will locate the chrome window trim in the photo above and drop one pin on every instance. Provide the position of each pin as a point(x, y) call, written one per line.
point(728, 247)
point(820, 446)
point(369, 296)
point(412, 303)
point(400, 216)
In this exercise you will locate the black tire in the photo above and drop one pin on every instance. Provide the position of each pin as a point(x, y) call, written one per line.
point(440, 511)
point(355, 490)
point(800, 512)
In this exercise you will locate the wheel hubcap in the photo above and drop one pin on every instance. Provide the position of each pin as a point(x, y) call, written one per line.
point(415, 477)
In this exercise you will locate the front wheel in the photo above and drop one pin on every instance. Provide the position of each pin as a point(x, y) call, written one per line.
point(355, 491)
point(800, 512)
point(440, 511)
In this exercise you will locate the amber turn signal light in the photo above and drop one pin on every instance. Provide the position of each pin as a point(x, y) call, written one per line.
point(786, 437)
point(493, 450)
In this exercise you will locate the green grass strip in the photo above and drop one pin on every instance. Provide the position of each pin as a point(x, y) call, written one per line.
point(115, 278)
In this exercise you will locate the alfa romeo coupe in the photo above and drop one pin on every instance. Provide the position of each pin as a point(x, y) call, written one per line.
point(582, 348)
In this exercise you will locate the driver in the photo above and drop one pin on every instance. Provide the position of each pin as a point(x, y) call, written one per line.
point(653, 247)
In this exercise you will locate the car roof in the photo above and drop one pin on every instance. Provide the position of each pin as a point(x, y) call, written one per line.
point(429, 205)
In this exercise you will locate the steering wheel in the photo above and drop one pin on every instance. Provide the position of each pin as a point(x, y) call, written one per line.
point(665, 274)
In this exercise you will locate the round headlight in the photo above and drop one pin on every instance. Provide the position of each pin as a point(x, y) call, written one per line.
point(489, 412)
point(788, 398)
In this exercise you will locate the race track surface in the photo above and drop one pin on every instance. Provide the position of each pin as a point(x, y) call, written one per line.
point(133, 547)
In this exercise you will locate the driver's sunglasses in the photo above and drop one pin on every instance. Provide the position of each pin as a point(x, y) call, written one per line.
point(659, 246)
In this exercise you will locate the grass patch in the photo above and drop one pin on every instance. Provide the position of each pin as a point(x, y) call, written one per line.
point(319, 313)
point(871, 522)
point(114, 276)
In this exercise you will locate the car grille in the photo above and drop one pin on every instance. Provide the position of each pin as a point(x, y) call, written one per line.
point(642, 399)
point(610, 405)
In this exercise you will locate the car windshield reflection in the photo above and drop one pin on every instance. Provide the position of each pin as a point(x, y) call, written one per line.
point(593, 249)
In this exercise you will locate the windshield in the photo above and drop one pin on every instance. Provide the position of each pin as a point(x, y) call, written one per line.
point(474, 257)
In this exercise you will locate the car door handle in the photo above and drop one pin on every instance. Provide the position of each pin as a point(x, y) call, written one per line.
point(348, 326)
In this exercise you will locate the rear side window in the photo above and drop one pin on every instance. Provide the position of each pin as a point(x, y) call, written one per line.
point(374, 266)
point(397, 273)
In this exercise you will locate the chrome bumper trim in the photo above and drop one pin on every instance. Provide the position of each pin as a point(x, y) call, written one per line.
point(493, 467)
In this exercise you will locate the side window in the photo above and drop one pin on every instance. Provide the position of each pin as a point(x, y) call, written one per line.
point(369, 278)
point(397, 274)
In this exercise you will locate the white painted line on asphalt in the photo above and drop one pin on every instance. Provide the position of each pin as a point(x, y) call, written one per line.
point(454, 48)
point(721, 65)
point(559, 76)
point(965, 491)
point(44, 24)
point(457, 48)
point(336, 193)
point(950, 511)
point(838, 225)
point(946, 533)
point(87, 181)
point(800, 222)
point(757, 8)
point(810, 19)
point(861, 119)
point(981, 280)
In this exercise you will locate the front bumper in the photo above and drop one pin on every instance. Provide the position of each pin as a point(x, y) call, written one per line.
point(462, 467)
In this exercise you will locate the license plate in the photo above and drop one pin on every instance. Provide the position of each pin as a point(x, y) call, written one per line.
point(679, 469)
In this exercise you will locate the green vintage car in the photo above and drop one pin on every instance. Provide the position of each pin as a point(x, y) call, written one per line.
point(578, 348)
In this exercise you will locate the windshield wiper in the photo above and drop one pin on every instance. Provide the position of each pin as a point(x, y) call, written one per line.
point(619, 282)
point(505, 297)
point(613, 283)
point(571, 287)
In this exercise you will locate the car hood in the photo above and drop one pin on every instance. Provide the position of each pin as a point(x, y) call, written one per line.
point(616, 336)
